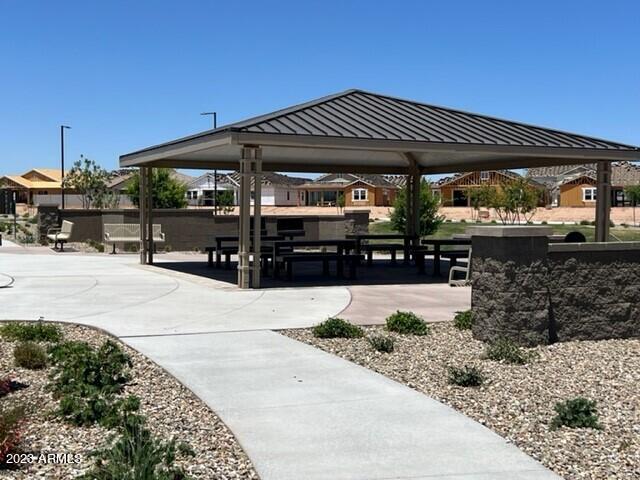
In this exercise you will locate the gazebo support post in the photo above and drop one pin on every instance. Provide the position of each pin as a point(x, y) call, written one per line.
point(257, 218)
point(149, 191)
point(247, 160)
point(142, 206)
point(603, 201)
point(415, 204)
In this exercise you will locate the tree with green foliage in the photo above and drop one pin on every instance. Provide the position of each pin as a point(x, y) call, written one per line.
point(632, 193)
point(166, 190)
point(427, 210)
point(481, 197)
point(89, 180)
point(225, 201)
point(514, 201)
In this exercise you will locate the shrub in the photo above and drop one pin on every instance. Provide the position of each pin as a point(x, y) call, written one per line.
point(504, 349)
point(30, 355)
point(382, 343)
point(407, 322)
point(467, 376)
point(136, 454)
point(86, 381)
point(10, 423)
point(98, 246)
point(585, 222)
point(8, 385)
point(337, 328)
point(31, 332)
point(543, 222)
point(576, 413)
point(463, 320)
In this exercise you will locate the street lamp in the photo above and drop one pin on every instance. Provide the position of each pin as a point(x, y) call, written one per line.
point(62, 129)
point(215, 171)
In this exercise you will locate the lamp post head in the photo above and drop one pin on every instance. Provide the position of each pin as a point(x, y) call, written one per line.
point(65, 126)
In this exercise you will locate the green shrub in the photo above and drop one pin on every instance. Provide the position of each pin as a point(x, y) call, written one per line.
point(86, 381)
point(136, 454)
point(31, 332)
point(504, 349)
point(467, 376)
point(576, 413)
point(30, 355)
point(336, 328)
point(382, 343)
point(99, 247)
point(463, 320)
point(10, 422)
point(585, 222)
point(543, 222)
point(407, 322)
point(8, 385)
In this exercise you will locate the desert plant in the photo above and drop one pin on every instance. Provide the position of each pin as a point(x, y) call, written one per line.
point(467, 376)
point(381, 343)
point(407, 323)
point(578, 412)
point(504, 349)
point(10, 423)
point(136, 454)
point(31, 332)
point(30, 355)
point(336, 328)
point(584, 222)
point(463, 320)
point(88, 406)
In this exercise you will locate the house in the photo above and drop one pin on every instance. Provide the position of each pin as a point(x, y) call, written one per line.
point(454, 190)
point(575, 185)
point(39, 186)
point(277, 189)
point(201, 190)
point(119, 181)
point(358, 190)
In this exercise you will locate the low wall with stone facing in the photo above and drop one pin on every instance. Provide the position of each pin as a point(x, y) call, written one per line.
point(187, 230)
point(536, 292)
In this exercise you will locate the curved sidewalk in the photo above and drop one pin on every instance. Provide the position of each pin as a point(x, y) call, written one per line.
point(299, 413)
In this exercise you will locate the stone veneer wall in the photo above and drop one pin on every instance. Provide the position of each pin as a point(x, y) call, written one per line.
point(187, 229)
point(534, 292)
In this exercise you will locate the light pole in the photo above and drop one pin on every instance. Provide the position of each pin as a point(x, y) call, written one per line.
point(215, 171)
point(62, 129)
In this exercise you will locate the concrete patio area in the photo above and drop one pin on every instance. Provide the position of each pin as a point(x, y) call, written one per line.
point(297, 411)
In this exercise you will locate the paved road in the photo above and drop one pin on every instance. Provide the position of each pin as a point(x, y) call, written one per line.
point(299, 412)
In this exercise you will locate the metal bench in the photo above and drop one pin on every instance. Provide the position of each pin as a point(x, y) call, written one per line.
point(351, 259)
point(392, 248)
point(60, 235)
point(128, 233)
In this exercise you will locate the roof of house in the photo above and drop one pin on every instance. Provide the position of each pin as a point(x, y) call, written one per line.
point(452, 178)
point(622, 173)
point(121, 176)
point(399, 181)
point(332, 179)
point(54, 176)
point(273, 179)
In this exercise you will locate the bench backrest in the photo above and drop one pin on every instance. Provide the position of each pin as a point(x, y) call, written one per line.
point(67, 227)
point(129, 230)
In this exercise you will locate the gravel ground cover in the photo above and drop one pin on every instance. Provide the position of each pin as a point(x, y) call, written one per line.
point(172, 411)
point(517, 401)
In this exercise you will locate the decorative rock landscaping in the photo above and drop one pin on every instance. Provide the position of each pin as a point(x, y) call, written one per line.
point(517, 401)
point(171, 411)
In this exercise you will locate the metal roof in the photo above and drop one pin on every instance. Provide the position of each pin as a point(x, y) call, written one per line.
point(358, 131)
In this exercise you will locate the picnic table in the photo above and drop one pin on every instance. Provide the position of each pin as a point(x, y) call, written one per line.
point(231, 249)
point(284, 252)
point(437, 243)
point(390, 247)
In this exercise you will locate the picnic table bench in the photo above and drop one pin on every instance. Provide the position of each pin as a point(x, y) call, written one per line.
point(437, 251)
point(228, 250)
point(284, 254)
point(363, 244)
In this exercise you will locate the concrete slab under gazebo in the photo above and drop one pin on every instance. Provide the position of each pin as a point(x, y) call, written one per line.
point(362, 132)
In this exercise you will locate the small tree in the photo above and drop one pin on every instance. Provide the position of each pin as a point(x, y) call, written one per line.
point(632, 192)
point(481, 197)
point(89, 180)
point(225, 201)
point(166, 191)
point(427, 210)
point(340, 202)
point(516, 200)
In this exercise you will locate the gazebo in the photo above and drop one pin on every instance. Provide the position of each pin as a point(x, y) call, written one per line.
point(362, 132)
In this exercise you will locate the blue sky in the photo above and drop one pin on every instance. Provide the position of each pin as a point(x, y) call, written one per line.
point(129, 74)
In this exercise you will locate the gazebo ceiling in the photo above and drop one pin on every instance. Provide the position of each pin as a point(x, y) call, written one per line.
point(357, 131)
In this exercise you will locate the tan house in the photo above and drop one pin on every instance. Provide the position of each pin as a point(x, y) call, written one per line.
point(36, 186)
point(575, 185)
point(357, 191)
point(454, 191)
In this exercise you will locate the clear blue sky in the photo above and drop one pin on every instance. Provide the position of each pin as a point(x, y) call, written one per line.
point(129, 74)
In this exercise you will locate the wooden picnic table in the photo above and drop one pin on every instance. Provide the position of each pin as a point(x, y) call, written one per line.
point(341, 245)
point(437, 243)
point(407, 239)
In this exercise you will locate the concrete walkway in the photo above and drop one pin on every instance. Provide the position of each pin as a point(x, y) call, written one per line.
point(299, 412)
